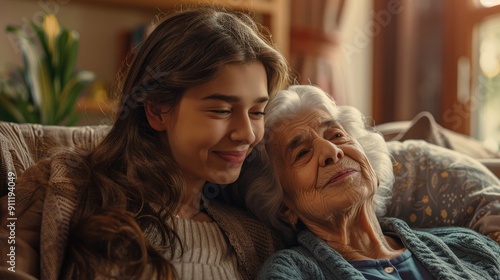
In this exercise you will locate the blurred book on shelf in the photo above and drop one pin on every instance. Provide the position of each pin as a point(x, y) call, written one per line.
point(130, 40)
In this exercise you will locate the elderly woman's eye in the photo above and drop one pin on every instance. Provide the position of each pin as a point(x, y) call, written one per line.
point(336, 135)
point(301, 154)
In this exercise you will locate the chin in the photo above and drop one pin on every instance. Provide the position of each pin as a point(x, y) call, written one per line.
point(225, 177)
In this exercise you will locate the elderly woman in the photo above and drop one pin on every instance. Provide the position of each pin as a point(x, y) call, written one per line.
point(324, 186)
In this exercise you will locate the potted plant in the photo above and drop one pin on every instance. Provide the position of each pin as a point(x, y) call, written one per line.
point(46, 90)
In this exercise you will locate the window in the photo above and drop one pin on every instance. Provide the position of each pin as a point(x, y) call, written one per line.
point(485, 122)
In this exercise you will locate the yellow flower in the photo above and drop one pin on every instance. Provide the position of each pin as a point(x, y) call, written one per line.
point(444, 174)
point(425, 198)
point(52, 29)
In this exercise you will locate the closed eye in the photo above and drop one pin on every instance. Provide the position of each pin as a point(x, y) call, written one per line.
point(221, 112)
point(301, 154)
point(336, 135)
point(257, 115)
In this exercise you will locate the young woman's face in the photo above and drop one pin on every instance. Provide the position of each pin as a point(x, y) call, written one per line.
point(216, 124)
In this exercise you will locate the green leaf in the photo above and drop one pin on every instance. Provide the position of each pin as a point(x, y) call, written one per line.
point(31, 63)
point(70, 56)
point(42, 38)
point(10, 111)
point(47, 89)
point(59, 61)
point(46, 56)
point(71, 92)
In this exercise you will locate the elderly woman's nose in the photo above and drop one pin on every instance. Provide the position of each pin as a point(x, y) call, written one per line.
point(329, 153)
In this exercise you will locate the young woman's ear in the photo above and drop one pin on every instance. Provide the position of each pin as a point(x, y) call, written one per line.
point(156, 115)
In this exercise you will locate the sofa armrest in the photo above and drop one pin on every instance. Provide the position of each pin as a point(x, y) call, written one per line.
point(22, 145)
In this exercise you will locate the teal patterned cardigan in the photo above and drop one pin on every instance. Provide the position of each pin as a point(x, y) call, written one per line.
point(447, 253)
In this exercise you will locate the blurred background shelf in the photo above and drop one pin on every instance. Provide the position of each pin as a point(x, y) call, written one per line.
point(274, 14)
point(92, 112)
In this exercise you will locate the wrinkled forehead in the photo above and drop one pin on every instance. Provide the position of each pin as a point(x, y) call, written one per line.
point(287, 121)
point(292, 126)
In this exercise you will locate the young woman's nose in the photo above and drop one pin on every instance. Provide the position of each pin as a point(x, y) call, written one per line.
point(243, 130)
point(329, 153)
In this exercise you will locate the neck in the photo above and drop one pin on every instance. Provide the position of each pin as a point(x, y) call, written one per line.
point(357, 235)
point(190, 205)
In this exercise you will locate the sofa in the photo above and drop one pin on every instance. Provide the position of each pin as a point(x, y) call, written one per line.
point(441, 178)
point(424, 127)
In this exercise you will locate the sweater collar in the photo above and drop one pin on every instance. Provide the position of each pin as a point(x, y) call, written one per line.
point(336, 267)
point(333, 265)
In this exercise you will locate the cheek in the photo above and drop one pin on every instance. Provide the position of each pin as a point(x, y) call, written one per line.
point(368, 171)
point(306, 177)
point(296, 188)
point(298, 180)
point(310, 205)
point(357, 154)
point(288, 184)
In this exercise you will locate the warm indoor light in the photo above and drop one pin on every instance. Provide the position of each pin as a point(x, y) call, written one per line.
point(485, 114)
point(488, 58)
point(489, 3)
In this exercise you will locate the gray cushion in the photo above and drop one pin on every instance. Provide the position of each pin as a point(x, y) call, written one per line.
point(436, 186)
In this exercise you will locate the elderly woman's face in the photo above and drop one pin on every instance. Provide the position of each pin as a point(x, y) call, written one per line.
point(322, 169)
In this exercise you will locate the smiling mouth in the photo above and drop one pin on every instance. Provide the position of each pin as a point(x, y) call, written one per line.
point(341, 175)
point(235, 157)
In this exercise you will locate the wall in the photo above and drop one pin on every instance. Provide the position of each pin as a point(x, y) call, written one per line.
point(356, 42)
point(100, 27)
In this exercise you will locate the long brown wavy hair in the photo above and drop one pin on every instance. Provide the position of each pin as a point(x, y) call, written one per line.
point(134, 184)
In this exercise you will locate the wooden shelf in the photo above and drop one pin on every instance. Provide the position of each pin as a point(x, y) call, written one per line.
point(277, 11)
point(273, 14)
point(90, 105)
point(251, 5)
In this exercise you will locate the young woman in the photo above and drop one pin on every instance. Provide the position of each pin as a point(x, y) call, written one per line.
point(140, 204)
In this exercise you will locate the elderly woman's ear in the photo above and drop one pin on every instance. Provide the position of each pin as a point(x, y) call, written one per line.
point(288, 216)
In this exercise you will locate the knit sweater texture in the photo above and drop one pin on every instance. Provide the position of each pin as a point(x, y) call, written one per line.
point(447, 253)
point(46, 200)
point(206, 254)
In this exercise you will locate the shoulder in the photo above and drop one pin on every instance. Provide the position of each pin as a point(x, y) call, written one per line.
point(290, 264)
point(449, 234)
point(51, 185)
point(67, 164)
point(464, 237)
point(239, 221)
point(462, 241)
point(60, 174)
point(474, 250)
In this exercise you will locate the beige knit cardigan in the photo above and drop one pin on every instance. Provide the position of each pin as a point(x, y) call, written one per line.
point(46, 197)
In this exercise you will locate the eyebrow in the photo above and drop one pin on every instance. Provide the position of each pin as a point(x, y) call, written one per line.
point(298, 139)
point(233, 99)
